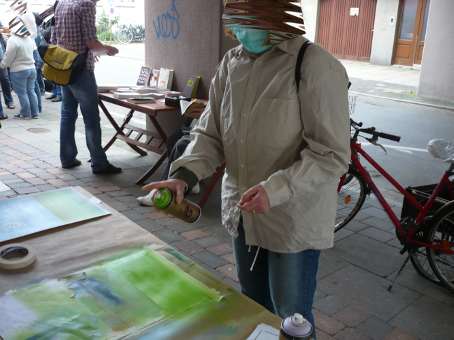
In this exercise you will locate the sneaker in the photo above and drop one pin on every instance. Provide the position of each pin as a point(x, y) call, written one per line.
point(196, 189)
point(147, 200)
point(35, 117)
point(52, 96)
point(108, 170)
point(20, 116)
point(56, 99)
point(10, 106)
point(74, 164)
point(2, 117)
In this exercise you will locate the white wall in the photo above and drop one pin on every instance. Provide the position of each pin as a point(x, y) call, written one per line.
point(437, 73)
point(384, 32)
point(310, 15)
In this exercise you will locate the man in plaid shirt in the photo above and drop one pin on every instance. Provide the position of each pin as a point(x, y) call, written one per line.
point(75, 30)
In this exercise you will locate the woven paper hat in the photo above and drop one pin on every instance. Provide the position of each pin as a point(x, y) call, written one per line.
point(22, 22)
point(282, 18)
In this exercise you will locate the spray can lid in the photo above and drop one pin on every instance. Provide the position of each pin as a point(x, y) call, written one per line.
point(162, 198)
point(297, 326)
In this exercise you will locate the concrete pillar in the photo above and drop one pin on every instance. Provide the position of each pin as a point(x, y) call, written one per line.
point(384, 32)
point(310, 15)
point(437, 72)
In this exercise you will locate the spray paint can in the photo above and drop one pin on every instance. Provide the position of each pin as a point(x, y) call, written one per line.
point(187, 211)
point(297, 327)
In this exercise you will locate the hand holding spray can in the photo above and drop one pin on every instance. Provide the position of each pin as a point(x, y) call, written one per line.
point(187, 211)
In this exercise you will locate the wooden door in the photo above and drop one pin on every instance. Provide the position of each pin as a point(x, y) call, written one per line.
point(346, 27)
point(411, 32)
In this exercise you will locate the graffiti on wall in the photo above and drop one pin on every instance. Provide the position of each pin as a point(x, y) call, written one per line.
point(167, 24)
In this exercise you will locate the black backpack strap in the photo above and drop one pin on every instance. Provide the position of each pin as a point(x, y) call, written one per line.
point(299, 62)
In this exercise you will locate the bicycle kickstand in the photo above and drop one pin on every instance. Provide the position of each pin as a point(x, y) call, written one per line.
point(390, 287)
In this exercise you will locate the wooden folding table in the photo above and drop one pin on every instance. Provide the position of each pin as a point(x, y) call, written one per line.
point(137, 138)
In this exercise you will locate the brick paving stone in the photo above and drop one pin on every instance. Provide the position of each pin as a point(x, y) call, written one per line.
point(352, 316)
point(47, 175)
point(108, 188)
point(377, 234)
point(229, 271)
point(221, 249)
point(195, 234)
point(375, 328)
point(350, 334)
point(323, 336)
point(187, 247)
point(167, 236)
point(355, 225)
point(18, 184)
point(45, 187)
point(209, 241)
point(398, 334)
point(379, 223)
point(28, 190)
point(327, 324)
point(36, 181)
point(341, 234)
point(229, 258)
point(209, 259)
point(8, 193)
point(66, 177)
point(148, 224)
point(331, 304)
point(56, 182)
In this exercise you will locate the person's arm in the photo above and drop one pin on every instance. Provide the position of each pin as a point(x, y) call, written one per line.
point(88, 25)
point(10, 54)
point(326, 136)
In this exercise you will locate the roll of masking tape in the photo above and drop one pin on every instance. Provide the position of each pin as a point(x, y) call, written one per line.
point(15, 257)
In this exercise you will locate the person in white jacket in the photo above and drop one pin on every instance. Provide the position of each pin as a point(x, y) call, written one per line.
point(19, 59)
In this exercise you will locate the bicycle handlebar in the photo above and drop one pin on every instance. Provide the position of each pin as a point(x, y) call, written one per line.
point(371, 131)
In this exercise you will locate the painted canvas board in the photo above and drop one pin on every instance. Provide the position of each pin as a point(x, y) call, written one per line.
point(115, 299)
point(31, 214)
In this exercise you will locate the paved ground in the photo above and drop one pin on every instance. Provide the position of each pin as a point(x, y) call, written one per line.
point(352, 301)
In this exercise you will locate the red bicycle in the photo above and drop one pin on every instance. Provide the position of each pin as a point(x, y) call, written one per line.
point(426, 226)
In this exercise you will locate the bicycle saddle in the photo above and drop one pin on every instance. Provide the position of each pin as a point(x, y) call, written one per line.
point(441, 149)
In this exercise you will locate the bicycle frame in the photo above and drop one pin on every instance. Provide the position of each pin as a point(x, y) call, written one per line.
point(423, 210)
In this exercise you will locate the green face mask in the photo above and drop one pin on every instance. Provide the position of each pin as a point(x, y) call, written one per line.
point(255, 41)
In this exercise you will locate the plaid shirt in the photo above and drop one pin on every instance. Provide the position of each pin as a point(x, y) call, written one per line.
point(75, 25)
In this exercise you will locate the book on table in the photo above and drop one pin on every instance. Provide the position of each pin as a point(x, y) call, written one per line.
point(144, 76)
point(154, 78)
point(165, 80)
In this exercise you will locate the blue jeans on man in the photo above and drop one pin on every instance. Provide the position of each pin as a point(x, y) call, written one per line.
point(82, 92)
point(6, 87)
point(283, 283)
point(24, 86)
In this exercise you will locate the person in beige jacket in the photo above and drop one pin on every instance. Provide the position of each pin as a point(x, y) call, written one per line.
point(285, 148)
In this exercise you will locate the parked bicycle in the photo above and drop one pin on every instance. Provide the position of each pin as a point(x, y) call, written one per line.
point(130, 33)
point(426, 226)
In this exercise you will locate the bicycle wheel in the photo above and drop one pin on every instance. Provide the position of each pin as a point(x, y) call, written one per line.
point(442, 233)
point(350, 198)
point(124, 37)
point(420, 262)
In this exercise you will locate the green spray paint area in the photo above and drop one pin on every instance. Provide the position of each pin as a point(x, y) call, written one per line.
point(117, 298)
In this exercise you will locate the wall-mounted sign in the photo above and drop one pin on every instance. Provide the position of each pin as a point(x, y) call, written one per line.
point(354, 11)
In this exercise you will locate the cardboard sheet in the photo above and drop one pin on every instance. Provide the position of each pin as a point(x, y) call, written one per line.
point(26, 215)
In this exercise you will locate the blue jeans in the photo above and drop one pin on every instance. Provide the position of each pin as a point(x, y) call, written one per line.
point(283, 283)
point(6, 86)
point(82, 92)
point(56, 91)
point(24, 86)
point(2, 114)
point(38, 96)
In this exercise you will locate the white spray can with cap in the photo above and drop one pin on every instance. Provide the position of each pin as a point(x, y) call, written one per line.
point(297, 327)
